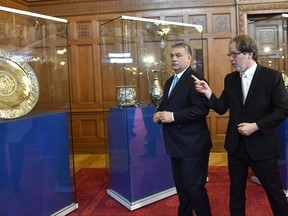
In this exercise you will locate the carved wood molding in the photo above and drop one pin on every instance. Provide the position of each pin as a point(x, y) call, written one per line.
point(241, 2)
point(68, 7)
point(243, 10)
point(16, 4)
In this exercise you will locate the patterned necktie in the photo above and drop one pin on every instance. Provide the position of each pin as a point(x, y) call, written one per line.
point(245, 83)
point(175, 80)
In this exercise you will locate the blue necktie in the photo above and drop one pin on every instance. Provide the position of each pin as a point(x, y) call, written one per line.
point(175, 80)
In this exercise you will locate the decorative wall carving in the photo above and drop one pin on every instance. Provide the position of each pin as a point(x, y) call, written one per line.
point(175, 18)
point(65, 8)
point(199, 20)
point(252, 2)
point(17, 4)
point(84, 29)
point(221, 22)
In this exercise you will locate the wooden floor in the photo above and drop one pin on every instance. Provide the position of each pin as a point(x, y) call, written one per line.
point(100, 160)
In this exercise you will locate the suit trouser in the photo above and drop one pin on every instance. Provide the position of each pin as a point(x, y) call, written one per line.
point(190, 176)
point(267, 172)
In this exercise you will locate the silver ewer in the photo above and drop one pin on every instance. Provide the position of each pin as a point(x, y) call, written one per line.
point(156, 91)
point(127, 96)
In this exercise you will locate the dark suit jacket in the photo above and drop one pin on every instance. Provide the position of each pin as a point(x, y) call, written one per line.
point(188, 135)
point(266, 104)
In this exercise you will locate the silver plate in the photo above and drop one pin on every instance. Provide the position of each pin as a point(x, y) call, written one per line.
point(19, 88)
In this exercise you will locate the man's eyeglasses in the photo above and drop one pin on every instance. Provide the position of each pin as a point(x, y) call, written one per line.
point(234, 54)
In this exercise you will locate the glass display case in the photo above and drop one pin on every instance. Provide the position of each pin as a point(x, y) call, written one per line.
point(36, 146)
point(271, 37)
point(135, 63)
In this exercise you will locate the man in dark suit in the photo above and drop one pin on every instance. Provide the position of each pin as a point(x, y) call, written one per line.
point(252, 138)
point(182, 113)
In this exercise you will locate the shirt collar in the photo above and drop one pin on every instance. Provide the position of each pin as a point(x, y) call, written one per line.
point(181, 73)
point(250, 71)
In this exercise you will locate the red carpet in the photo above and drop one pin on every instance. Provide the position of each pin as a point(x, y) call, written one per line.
point(93, 200)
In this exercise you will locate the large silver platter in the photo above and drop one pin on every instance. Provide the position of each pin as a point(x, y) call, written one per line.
point(19, 88)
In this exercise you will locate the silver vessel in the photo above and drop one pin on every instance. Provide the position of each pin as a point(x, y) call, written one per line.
point(156, 91)
point(127, 96)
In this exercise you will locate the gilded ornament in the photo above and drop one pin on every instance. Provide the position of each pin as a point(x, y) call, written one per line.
point(19, 88)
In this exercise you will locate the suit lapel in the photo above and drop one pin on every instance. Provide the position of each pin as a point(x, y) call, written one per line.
point(240, 93)
point(176, 88)
point(179, 83)
point(166, 91)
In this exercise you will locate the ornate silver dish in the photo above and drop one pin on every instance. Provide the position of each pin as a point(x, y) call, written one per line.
point(127, 96)
point(19, 88)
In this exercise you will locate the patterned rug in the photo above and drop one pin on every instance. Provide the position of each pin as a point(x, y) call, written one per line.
point(93, 200)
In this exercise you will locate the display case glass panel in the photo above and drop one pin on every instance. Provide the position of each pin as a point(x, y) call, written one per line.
point(132, 48)
point(36, 145)
point(135, 63)
point(271, 38)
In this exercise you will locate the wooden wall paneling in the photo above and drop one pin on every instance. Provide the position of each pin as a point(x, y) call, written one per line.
point(109, 77)
point(205, 60)
point(221, 64)
point(88, 132)
point(97, 66)
point(85, 69)
point(61, 89)
point(82, 78)
point(44, 77)
point(86, 88)
point(221, 27)
point(55, 96)
point(218, 130)
point(87, 83)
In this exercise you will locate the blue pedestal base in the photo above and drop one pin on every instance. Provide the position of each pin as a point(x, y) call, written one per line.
point(140, 169)
point(35, 166)
point(142, 202)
